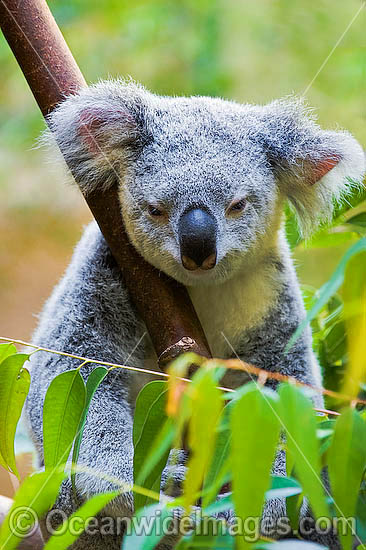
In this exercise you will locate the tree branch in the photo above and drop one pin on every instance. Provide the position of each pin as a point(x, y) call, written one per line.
point(52, 74)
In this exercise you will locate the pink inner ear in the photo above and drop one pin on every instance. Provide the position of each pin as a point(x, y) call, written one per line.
point(96, 124)
point(321, 168)
point(89, 124)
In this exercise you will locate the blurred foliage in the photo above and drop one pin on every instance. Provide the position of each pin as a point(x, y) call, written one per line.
point(337, 310)
point(249, 51)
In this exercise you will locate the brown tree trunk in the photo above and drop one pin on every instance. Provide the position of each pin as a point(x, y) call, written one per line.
point(52, 74)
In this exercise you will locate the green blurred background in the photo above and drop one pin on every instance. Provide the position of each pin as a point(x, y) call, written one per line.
point(244, 50)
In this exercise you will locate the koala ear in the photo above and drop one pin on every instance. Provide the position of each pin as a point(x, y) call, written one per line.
point(314, 168)
point(100, 131)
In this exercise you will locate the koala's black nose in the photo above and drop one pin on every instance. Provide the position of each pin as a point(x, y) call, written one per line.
point(197, 239)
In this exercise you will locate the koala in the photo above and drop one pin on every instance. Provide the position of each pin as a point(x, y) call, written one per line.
point(202, 186)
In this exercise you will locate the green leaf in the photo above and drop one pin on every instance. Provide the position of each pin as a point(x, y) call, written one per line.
point(162, 444)
point(221, 505)
point(209, 536)
point(206, 404)
point(346, 463)
point(290, 462)
point(336, 342)
point(283, 487)
point(326, 239)
point(145, 400)
point(14, 387)
point(3, 463)
point(361, 516)
point(357, 197)
point(292, 229)
point(62, 410)
point(153, 517)
point(94, 380)
point(354, 294)
point(219, 457)
point(149, 417)
point(33, 499)
point(328, 289)
point(255, 436)
point(359, 220)
point(324, 432)
point(223, 478)
point(6, 350)
point(293, 506)
point(84, 516)
point(302, 444)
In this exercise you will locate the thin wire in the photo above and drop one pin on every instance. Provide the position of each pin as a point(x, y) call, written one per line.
point(333, 49)
point(235, 364)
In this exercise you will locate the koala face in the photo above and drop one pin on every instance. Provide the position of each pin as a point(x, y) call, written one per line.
point(199, 200)
point(202, 181)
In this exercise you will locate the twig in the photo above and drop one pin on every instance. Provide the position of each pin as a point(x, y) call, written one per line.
point(235, 364)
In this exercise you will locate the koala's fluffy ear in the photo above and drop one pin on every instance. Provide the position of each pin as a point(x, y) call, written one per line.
point(100, 130)
point(314, 167)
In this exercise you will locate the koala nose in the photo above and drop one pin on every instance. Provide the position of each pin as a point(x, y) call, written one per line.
point(197, 239)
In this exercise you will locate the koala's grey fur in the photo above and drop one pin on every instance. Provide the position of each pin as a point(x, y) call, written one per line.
point(175, 153)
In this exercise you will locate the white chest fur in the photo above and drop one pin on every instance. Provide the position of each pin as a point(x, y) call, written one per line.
point(226, 311)
point(229, 309)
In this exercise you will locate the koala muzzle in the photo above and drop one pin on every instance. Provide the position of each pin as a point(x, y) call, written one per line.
point(197, 239)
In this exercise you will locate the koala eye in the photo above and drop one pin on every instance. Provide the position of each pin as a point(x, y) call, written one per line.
point(154, 211)
point(236, 206)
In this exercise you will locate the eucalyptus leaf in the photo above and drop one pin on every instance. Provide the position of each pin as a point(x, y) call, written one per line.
point(153, 516)
point(14, 387)
point(323, 434)
point(6, 350)
point(361, 516)
point(336, 342)
point(94, 380)
point(206, 405)
point(161, 445)
point(150, 416)
point(326, 239)
point(145, 400)
point(354, 293)
point(293, 506)
point(32, 500)
point(346, 464)
point(65, 535)
point(283, 487)
point(292, 228)
point(328, 289)
point(255, 436)
point(219, 456)
point(62, 411)
point(210, 536)
point(359, 220)
point(302, 444)
point(223, 477)
point(357, 196)
point(221, 505)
